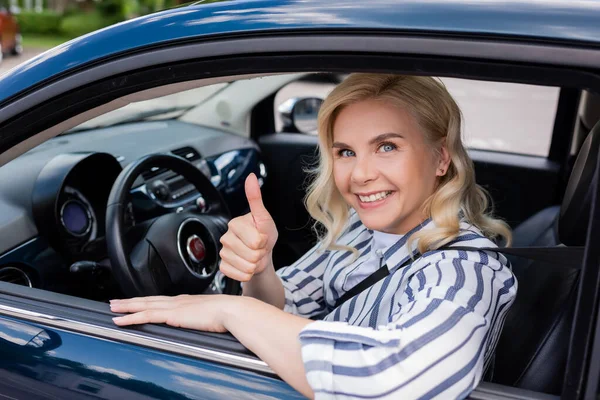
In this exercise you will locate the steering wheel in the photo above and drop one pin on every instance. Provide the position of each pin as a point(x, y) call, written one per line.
point(174, 253)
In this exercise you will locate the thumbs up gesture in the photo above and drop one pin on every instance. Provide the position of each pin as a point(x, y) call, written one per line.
point(249, 241)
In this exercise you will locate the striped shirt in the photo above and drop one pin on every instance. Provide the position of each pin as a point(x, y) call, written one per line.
point(427, 330)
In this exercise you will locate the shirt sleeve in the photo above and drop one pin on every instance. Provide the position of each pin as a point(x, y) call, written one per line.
point(303, 283)
point(433, 348)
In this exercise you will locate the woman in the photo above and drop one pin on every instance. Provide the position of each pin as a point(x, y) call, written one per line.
point(394, 189)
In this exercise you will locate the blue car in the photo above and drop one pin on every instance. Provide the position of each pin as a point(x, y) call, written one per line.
point(123, 155)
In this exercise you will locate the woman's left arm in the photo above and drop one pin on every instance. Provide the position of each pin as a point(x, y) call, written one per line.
point(265, 330)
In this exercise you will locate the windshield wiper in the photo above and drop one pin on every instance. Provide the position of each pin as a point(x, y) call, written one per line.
point(138, 117)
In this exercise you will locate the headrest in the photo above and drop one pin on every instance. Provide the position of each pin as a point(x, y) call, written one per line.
point(577, 202)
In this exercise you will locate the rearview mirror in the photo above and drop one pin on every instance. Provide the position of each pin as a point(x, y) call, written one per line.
point(299, 114)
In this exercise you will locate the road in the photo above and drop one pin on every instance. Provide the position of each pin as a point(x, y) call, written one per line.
point(497, 116)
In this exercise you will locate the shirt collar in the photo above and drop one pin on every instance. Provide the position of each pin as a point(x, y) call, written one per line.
point(395, 255)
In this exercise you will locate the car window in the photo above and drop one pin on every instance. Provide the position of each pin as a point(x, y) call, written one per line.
point(498, 116)
point(168, 106)
point(506, 117)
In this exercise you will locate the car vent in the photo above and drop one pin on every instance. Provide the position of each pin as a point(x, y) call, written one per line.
point(14, 275)
point(152, 172)
point(189, 153)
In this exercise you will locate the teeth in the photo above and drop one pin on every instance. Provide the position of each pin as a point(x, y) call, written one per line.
point(374, 197)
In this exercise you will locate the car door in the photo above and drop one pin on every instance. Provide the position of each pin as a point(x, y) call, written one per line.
point(55, 361)
point(91, 347)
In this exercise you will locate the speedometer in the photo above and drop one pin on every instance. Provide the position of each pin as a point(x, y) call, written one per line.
point(77, 215)
point(76, 218)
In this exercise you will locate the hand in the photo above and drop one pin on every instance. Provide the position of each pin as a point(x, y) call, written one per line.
point(249, 241)
point(201, 312)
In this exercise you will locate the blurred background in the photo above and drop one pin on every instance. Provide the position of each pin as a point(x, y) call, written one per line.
point(29, 27)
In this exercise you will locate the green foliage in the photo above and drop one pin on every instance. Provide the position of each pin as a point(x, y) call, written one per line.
point(45, 23)
point(36, 41)
point(111, 9)
point(79, 24)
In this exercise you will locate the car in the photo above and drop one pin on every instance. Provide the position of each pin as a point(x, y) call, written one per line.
point(11, 41)
point(123, 155)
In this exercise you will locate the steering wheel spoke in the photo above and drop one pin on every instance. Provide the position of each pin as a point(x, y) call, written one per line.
point(149, 268)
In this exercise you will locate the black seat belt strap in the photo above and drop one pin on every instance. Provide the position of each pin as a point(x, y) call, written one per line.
point(570, 257)
point(363, 285)
point(369, 281)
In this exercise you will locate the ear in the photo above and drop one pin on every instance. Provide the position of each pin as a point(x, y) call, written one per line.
point(443, 161)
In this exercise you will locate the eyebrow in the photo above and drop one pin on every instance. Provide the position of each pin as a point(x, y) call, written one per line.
point(376, 139)
point(385, 136)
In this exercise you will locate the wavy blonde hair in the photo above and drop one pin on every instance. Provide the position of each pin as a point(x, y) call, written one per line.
point(439, 118)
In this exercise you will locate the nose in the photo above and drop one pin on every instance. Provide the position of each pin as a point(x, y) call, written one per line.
point(364, 171)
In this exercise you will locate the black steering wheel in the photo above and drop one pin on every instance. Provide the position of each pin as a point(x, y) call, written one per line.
point(172, 254)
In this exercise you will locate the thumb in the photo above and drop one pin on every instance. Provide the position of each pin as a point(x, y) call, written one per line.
point(257, 208)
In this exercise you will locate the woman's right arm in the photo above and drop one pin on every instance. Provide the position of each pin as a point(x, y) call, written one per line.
point(266, 286)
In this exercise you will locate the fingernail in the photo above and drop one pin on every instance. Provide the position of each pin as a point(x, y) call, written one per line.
point(117, 319)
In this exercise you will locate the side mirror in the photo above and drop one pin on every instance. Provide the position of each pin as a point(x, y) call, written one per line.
point(299, 114)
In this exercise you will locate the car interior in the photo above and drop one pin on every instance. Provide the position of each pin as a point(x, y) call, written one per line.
point(99, 207)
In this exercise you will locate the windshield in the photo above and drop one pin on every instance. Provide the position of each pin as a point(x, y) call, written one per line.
point(165, 107)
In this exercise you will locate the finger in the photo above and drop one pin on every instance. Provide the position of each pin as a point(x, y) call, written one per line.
point(244, 240)
point(144, 317)
point(131, 307)
point(257, 208)
point(237, 262)
point(234, 273)
point(146, 298)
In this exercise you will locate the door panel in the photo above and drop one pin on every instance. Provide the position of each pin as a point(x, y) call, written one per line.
point(519, 185)
point(54, 346)
point(40, 362)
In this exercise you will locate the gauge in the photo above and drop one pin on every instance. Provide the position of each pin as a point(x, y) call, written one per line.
point(75, 218)
point(77, 215)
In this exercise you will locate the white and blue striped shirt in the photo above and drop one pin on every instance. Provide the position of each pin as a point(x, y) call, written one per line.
point(425, 331)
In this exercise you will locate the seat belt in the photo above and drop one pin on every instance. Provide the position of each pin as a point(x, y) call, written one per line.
point(569, 257)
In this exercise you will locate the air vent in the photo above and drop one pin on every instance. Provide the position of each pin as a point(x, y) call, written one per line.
point(189, 153)
point(152, 172)
point(14, 275)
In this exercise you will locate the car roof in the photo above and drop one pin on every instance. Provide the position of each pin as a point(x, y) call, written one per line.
point(548, 20)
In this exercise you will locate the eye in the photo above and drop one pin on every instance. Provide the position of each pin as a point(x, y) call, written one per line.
point(346, 153)
point(387, 147)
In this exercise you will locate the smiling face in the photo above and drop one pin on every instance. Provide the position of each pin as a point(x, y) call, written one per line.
point(383, 166)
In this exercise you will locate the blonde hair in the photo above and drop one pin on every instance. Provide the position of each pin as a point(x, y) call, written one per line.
point(439, 118)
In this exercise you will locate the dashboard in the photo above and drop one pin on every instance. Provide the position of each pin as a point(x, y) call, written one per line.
point(53, 200)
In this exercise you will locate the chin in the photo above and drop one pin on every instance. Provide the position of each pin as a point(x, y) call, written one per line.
point(376, 222)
